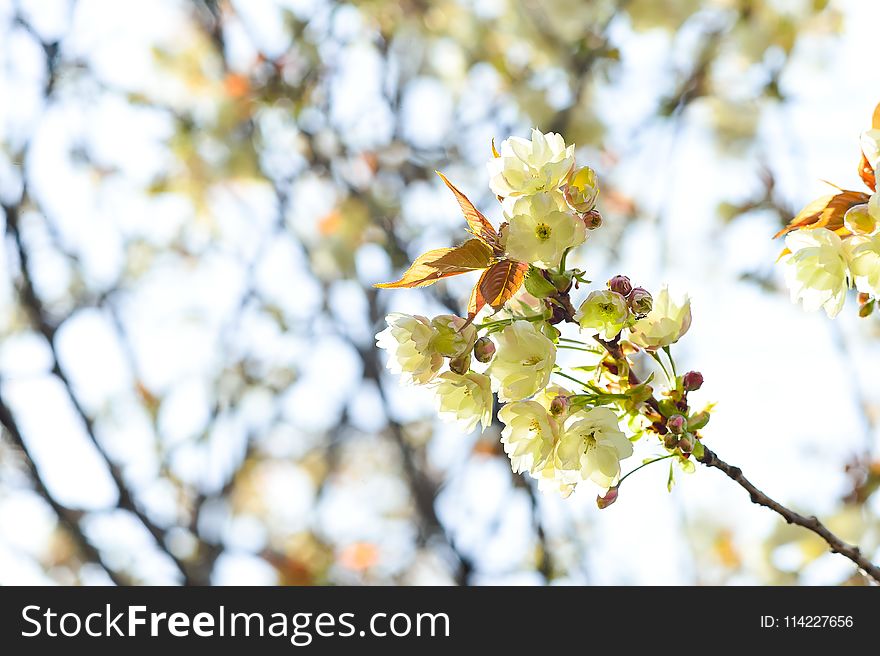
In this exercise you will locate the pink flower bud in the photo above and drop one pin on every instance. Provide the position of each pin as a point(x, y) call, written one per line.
point(676, 424)
point(640, 301)
point(559, 406)
point(692, 381)
point(685, 445)
point(621, 285)
point(484, 349)
point(609, 498)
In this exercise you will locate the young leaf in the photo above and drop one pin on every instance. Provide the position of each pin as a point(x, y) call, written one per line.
point(537, 285)
point(500, 282)
point(478, 225)
point(825, 212)
point(670, 481)
point(496, 154)
point(875, 119)
point(439, 263)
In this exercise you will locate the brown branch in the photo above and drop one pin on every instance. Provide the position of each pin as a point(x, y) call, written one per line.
point(48, 329)
point(810, 523)
point(67, 517)
point(735, 473)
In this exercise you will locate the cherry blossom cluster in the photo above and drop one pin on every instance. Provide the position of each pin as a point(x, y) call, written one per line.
point(563, 424)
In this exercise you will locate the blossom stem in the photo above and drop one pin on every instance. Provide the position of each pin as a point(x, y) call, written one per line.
point(671, 361)
point(572, 378)
point(662, 366)
point(575, 348)
point(645, 464)
point(507, 322)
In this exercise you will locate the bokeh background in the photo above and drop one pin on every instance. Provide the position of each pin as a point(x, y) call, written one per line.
point(197, 197)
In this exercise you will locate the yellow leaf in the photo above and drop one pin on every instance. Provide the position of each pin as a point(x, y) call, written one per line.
point(825, 212)
point(440, 263)
point(478, 225)
point(495, 152)
point(875, 119)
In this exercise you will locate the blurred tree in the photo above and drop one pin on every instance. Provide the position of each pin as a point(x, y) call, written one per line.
point(197, 199)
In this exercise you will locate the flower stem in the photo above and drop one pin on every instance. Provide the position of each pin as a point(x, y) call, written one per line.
point(645, 464)
point(671, 361)
point(659, 361)
point(507, 322)
point(579, 382)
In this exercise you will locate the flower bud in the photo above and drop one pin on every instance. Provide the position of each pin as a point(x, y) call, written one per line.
point(592, 219)
point(670, 441)
point(858, 220)
point(685, 444)
point(676, 424)
point(461, 364)
point(609, 498)
point(452, 337)
point(484, 349)
point(866, 309)
point(621, 285)
point(559, 406)
point(640, 301)
point(582, 189)
point(692, 381)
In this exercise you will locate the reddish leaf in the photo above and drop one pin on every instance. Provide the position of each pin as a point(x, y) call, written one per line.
point(825, 212)
point(440, 263)
point(478, 225)
point(500, 282)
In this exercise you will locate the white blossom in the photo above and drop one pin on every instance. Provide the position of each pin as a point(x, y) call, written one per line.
point(529, 435)
point(464, 399)
point(817, 270)
point(539, 232)
point(526, 167)
point(407, 339)
point(523, 361)
point(665, 324)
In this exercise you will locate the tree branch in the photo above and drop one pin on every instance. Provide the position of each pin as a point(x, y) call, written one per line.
point(810, 523)
point(67, 517)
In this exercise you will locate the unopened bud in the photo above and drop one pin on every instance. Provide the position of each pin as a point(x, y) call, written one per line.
point(640, 301)
point(685, 444)
point(670, 441)
point(609, 498)
point(676, 424)
point(692, 381)
point(484, 349)
point(866, 309)
point(592, 219)
point(582, 189)
point(621, 285)
point(559, 406)
point(461, 364)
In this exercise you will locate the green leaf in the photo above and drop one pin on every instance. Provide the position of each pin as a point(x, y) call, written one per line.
point(687, 465)
point(671, 480)
point(699, 450)
point(537, 285)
